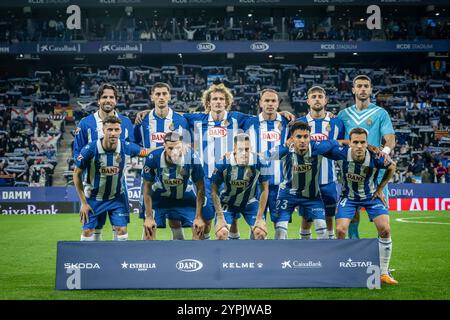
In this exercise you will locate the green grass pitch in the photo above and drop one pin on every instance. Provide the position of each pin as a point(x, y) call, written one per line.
point(421, 259)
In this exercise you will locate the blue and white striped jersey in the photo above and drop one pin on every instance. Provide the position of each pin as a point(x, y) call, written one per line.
point(240, 181)
point(325, 129)
point(151, 131)
point(213, 139)
point(301, 173)
point(104, 178)
point(90, 129)
point(374, 119)
point(266, 135)
point(169, 182)
point(360, 179)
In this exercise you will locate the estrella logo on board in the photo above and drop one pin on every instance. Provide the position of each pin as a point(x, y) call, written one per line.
point(319, 137)
point(217, 132)
point(189, 265)
point(158, 137)
point(270, 136)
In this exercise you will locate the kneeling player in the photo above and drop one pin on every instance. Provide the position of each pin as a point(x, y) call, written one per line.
point(104, 191)
point(240, 172)
point(360, 172)
point(167, 173)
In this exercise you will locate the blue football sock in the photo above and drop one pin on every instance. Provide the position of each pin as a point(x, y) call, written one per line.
point(353, 230)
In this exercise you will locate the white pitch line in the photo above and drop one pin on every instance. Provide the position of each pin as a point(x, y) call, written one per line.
point(409, 218)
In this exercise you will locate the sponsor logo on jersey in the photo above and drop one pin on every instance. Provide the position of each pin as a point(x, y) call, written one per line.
point(239, 183)
point(158, 137)
point(319, 136)
point(189, 265)
point(110, 171)
point(172, 182)
point(270, 136)
point(355, 177)
point(217, 132)
point(301, 168)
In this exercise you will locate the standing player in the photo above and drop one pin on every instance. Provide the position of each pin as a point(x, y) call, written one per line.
point(167, 173)
point(150, 132)
point(268, 130)
point(213, 133)
point(323, 127)
point(375, 120)
point(302, 162)
point(240, 172)
point(104, 192)
point(360, 190)
point(90, 128)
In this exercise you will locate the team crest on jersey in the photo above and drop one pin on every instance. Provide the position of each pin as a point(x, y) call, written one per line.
point(171, 126)
point(369, 122)
point(77, 131)
point(182, 172)
point(328, 128)
point(366, 170)
point(118, 158)
point(80, 157)
point(280, 126)
point(302, 168)
point(225, 123)
point(217, 132)
point(249, 174)
point(146, 169)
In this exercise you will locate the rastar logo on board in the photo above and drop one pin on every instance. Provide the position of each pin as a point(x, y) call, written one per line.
point(217, 132)
point(354, 264)
point(158, 137)
point(270, 136)
point(189, 265)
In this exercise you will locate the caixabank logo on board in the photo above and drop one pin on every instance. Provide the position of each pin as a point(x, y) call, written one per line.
point(354, 264)
point(124, 48)
point(295, 264)
point(206, 47)
point(259, 46)
point(44, 48)
point(189, 265)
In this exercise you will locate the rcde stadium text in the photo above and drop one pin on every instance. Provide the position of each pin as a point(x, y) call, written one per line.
point(241, 310)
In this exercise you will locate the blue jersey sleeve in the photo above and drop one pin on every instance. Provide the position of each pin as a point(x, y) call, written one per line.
point(379, 162)
point(242, 118)
point(132, 149)
point(85, 156)
point(191, 118)
point(137, 134)
point(341, 127)
point(262, 167)
point(149, 170)
point(80, 138)
point(337, 153)
point(217, 176)
point(386, 124)
point(128, 127)
point(276, 153)
point(322, 147)
point(197, 172)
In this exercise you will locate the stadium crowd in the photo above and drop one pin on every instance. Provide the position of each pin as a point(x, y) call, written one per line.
point(206, 26)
